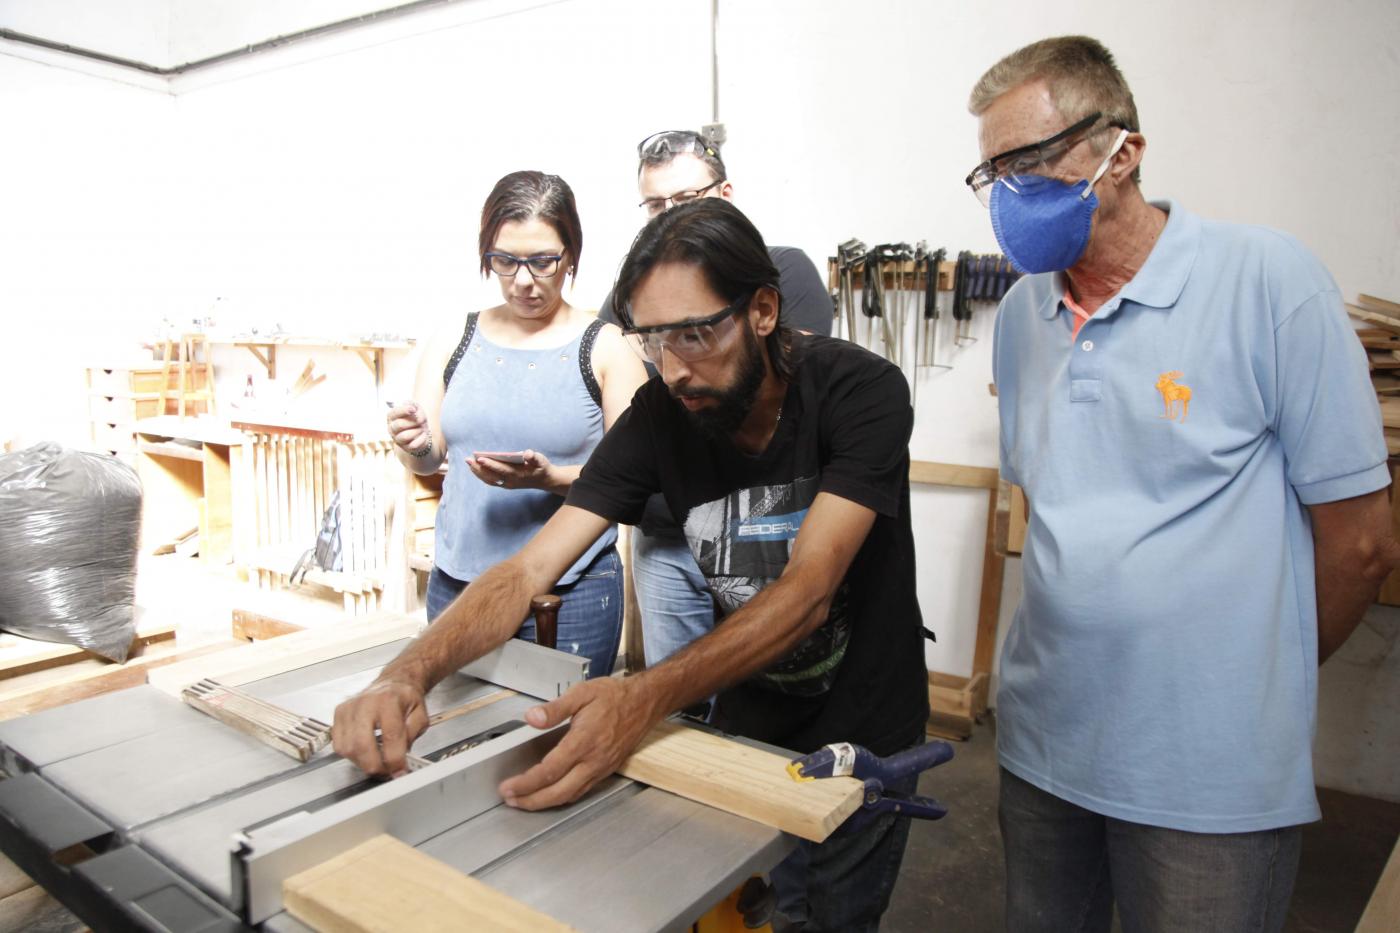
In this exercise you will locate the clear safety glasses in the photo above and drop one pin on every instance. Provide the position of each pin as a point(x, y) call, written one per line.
point(673, 143)
point(1023, 168)
point(689, 341)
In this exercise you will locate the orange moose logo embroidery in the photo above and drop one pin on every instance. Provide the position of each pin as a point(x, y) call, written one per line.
point(1175, 397)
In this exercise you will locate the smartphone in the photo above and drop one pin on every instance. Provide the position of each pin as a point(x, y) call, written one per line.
point(516, 457)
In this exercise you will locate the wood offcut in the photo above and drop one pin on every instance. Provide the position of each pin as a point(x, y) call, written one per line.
point(383, 886)
point(742, 780)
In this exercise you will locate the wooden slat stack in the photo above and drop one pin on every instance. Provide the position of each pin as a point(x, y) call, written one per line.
point(1381, 338)
point(286, 482)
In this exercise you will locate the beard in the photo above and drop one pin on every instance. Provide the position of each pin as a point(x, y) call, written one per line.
point(734, 402)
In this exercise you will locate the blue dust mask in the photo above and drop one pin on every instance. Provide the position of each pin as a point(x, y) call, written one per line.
point(1042, 224)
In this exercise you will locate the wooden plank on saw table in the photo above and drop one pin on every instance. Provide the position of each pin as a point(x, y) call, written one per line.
point(383, 886)
point(743, 780)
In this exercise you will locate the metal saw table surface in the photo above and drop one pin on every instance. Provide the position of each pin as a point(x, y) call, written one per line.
point(178, 786)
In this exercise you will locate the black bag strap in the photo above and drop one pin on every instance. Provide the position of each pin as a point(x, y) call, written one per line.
point(467, 333)
point(585, 362)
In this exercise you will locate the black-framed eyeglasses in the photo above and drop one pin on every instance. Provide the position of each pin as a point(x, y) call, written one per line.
point(541, 267)
point(673, 143)
point(657, 206)
point(1027, 160)
point(690, 341)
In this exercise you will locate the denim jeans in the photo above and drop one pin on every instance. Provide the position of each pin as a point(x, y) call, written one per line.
point(672, 596)
point(590, 617)
point(844, 884)
point(1066, 867)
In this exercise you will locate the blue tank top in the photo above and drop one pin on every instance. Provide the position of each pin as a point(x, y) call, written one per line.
point(501, 398)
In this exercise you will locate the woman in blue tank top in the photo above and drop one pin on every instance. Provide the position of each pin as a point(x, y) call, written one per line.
point(536, 382)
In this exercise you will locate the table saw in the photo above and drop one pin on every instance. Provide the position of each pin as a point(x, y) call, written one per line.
point(140, 812)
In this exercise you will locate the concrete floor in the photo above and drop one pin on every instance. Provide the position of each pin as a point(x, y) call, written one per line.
point(952, 878)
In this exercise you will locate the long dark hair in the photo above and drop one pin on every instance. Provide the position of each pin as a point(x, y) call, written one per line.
point(523, 195)
point(714, 236)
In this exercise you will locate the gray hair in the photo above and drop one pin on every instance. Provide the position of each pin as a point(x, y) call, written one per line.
point(1082, 77)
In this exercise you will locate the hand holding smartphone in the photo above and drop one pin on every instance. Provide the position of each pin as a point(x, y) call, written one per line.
point(517, 457)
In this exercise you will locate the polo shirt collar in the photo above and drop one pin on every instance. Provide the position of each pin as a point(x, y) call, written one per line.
point(1158, 284)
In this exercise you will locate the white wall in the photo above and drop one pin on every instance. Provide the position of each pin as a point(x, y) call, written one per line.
point(334, 186)
point(85, 235)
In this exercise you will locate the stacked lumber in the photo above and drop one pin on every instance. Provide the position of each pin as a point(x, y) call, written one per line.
point(1390, 420)
point(1381, 340)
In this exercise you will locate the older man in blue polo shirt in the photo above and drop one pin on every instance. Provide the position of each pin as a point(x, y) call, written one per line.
point(1189, 413)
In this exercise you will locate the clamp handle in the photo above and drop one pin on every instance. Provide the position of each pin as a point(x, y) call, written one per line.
point(846, 759)
point(914, 760)
point(546, 610)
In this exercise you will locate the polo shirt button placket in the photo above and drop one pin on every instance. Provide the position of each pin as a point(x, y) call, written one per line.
point(1085, 366)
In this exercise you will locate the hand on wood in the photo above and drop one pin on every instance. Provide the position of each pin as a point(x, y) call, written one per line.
point(408, 427)
point(610, 718)
point(375, 728)
point(534, 473)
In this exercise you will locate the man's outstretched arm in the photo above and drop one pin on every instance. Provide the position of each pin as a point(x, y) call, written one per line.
point(483, 617)
point(611, 716)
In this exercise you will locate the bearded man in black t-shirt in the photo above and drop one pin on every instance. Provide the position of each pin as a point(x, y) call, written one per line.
point(785, 458)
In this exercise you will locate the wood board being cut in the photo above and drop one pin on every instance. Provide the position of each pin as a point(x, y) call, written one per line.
point(706, 768)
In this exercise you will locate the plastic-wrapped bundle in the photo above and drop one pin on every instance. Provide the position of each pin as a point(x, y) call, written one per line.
point(69, 523)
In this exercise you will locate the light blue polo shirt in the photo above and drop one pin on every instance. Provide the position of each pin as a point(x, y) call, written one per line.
point(1162, 666)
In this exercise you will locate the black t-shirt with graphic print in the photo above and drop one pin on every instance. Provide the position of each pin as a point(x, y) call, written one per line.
point(844, 430)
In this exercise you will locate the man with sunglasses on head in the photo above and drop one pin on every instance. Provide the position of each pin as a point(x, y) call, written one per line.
point(1190, 415)
point(786, 457)
point(674, 167)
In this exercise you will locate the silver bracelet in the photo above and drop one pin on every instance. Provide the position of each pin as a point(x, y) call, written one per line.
point(427, 448)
